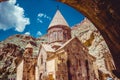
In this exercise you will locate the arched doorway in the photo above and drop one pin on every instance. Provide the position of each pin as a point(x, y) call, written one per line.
point(40, 76)
point(104, 14)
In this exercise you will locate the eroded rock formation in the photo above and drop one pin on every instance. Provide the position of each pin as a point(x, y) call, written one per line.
point(10, 55)
point(92, 39)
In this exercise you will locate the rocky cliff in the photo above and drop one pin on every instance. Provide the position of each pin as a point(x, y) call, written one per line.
point(92, 39)
point(10, 54)
point(11, 51)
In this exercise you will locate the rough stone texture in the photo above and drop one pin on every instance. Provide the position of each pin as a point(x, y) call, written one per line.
point(62, 69)
point(11, 51)
point(10, 55)
point(104, 14)
point(29, 64)
point(59, 33)
point(71, 61)
point(29, 68)
point(91, 38)
point(23, 40)
point(58, 30)
point(79, 62)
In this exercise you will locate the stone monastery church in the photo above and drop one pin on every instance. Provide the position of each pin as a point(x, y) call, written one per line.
point(62, 58)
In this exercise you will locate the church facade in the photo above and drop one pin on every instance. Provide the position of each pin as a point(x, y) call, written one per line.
point(62, 58)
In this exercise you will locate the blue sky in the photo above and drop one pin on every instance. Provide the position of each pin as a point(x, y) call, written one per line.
point(32, 17)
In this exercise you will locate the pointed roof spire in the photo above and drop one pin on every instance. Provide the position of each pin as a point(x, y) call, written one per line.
point(58, 19)
point(29, 46)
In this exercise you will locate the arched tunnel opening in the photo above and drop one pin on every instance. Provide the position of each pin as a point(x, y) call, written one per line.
point(104, 14)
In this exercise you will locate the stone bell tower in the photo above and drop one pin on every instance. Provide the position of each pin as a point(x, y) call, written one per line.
point(28, 50)
point(29, 63)
point(58, 31)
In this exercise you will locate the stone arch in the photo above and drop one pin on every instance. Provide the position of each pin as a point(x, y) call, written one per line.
point(104, 14)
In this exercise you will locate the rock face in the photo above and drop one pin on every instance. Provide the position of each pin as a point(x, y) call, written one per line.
point(10, 55)
point(11, 52)
point(91, 38)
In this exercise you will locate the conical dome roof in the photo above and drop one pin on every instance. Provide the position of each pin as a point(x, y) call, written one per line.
point(29, 46)
point(58, 19)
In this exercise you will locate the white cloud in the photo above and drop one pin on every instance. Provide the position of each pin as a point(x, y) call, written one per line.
point(42, 16)
point(27, 33)
point(12, 16)
point(48, 18)
point(39, 34)
point(39, 20)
